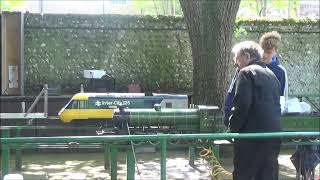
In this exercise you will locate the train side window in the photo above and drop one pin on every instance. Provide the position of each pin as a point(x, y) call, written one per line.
point(73, 105)
point(82, 104)
point(91, 103)
point(168, 104)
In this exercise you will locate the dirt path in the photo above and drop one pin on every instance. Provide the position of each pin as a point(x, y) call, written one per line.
point(60, 166)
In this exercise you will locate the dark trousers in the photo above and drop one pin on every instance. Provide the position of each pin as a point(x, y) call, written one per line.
point(256, 159)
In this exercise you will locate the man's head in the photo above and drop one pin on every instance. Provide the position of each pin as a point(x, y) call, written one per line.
point(245, 52)
point(270, 43)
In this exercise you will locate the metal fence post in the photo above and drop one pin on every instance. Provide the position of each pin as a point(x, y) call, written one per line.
point(192, 154)
point(18, 152)
point(216, 151)
point(5, 156)
point(106, 156)
point(130, 164)
point(163, 159)
point(114, 163)
point(45, 108)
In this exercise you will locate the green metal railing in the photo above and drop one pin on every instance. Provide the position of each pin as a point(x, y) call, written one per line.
point(7, 143)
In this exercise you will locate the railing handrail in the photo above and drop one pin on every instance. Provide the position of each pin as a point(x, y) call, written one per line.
point(7, 142)
point(121, 138)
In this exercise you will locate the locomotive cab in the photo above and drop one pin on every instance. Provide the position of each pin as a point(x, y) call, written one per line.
point(72, 110)
point(79, 108)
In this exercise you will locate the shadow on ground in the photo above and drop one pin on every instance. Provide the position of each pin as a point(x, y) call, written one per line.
point(58, 166)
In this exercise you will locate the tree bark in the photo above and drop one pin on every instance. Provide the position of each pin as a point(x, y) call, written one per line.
point(210, 26)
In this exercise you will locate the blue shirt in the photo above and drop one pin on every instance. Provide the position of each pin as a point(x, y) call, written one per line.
point(229, 99)
point(277, 70)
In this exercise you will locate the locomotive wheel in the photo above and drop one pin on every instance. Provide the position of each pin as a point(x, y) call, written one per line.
point(174, 141)
point(317, 139)
point(297, 140)
point(188, 141)
point(137, 143)
point(154, 143)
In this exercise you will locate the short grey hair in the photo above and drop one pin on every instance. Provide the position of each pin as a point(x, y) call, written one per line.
point(250, 48)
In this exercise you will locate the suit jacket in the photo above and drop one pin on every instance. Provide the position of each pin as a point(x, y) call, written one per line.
point(256, 106)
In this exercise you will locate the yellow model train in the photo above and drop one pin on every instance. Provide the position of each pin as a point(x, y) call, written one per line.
point(85, 106)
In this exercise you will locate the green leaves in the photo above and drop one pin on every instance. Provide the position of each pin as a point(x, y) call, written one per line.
point(254, 7)
point(10, 5)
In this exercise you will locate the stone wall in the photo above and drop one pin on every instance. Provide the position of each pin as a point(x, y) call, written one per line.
point(299, 51)
point(58, 48)
point(147, 50)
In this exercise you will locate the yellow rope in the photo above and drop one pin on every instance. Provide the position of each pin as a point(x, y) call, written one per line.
point(217, 171)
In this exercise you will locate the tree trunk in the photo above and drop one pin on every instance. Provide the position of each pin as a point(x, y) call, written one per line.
point(210, 25)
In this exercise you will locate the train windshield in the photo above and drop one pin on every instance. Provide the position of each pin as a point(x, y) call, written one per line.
point(73, 104)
